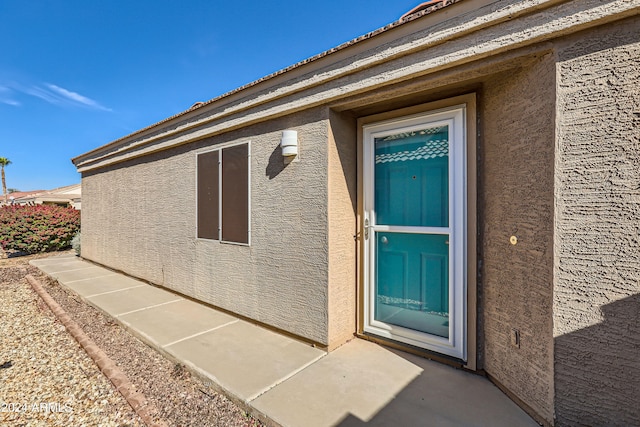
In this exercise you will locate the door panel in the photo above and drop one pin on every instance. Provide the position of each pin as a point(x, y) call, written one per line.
point(436, 277)
point(412, 276)
point(393, 276)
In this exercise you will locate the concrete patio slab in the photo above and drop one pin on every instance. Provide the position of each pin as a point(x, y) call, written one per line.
point(128, 300)
point(170, 323)
point(358, 378)
point(110, 282)
point(362, 383)
point(244, 359)
point(449, 397)
point(54, 259)
point(290, 382)
point(64, 264)
point(80, 274)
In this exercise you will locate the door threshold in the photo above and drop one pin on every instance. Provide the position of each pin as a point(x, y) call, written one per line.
point(417, 351)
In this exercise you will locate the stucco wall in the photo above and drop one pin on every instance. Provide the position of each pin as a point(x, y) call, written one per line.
point(597, 289)
point(516, 155)
point(139, 217)
point(342, 173)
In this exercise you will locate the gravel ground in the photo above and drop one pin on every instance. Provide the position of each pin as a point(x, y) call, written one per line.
point(46, 377)
point(181, 399)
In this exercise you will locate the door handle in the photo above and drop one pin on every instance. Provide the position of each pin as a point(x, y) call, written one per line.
point(366, 228)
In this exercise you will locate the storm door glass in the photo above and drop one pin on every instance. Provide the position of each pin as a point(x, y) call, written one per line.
point(411, 229)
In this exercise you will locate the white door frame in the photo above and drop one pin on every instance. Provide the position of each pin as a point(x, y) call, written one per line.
point(456, 344)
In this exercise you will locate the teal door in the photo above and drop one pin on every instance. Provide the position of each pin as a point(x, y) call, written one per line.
point(414, 231)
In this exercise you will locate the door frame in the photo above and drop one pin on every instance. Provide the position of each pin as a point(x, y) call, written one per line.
point(470, 267)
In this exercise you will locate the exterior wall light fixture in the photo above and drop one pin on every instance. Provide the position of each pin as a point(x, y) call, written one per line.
point(289, 144)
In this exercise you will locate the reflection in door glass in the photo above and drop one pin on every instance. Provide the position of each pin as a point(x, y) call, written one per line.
point(412, 178)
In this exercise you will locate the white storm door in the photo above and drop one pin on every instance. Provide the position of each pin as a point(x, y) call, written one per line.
point(415, 233)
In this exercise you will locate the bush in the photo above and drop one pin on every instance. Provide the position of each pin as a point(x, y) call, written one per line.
point(75, 243)
point(40, 228)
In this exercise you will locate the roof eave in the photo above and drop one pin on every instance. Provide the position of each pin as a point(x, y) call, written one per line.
point(194, 109)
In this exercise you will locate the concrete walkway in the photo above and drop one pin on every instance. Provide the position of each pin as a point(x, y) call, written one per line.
point(289, 382)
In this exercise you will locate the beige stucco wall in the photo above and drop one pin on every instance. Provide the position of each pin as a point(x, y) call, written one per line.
point(342, 173)
point(139, 217)
point(516, 157)
point(597, 288)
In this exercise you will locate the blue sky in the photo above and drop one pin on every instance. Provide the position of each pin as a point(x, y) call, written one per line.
point(78, 74)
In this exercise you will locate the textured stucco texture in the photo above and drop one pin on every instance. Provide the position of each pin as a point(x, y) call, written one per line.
point(516, 199)
point(342, 171)
point(281, 279)
point(597, 288)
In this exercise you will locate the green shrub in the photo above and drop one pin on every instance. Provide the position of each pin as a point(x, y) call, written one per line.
point(75, 243)
point(40, 228)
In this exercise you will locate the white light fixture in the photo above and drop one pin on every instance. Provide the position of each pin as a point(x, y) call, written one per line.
point(289, 143)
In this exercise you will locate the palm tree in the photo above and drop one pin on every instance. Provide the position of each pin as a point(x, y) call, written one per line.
point(4, 162)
